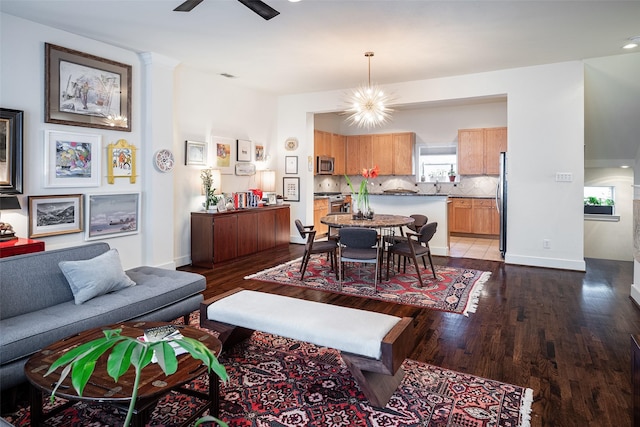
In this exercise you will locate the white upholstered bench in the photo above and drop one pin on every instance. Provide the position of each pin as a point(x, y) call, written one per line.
point(372, 345)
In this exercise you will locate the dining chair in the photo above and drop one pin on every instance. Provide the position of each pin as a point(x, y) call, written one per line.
point(312, 247)
point(359, 245)
point(416, 245)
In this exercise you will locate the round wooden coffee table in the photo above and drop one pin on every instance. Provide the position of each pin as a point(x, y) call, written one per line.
point(101, 388)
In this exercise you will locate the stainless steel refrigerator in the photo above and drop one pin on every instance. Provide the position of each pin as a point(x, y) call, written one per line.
point(501, 203)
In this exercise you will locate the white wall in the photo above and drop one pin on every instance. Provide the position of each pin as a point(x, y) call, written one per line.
point(22, 88)
point(546, 135)
point(605, 239)
point(208, 105)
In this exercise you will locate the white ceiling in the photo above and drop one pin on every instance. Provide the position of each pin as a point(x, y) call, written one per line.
point(317, 45)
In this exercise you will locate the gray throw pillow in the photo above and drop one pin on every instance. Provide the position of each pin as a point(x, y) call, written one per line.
point(96, 276)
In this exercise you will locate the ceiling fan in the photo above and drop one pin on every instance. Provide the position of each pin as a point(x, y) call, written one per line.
point(259, 7)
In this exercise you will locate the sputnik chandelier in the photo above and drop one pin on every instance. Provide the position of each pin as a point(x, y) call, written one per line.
point(368, 105)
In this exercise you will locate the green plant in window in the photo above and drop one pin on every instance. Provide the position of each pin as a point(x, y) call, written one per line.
point(609, 202)
point(592, 201)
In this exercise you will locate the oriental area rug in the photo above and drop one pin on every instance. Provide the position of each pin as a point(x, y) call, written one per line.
point(279, 382)
point(455, 290)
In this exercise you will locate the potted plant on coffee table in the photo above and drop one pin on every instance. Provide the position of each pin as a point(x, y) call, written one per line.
point(129, 351)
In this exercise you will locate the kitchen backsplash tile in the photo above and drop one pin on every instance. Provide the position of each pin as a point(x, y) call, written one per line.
point(470, 186)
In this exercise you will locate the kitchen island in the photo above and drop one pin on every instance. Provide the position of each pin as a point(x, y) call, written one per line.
point(434, 206)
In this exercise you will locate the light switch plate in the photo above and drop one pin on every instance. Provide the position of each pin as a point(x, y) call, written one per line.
point(564, 177)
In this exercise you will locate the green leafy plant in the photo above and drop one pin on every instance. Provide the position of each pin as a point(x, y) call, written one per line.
point(128, 351)
point(592, 201)
point(207, 183)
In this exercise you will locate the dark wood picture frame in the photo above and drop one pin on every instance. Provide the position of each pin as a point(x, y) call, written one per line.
point(54, 215)
point(11, 158)
point(291, 189)
point(86, 90)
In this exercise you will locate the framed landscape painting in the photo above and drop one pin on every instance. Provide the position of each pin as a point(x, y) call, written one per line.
point(71, 159)
point(53, 215)
point(86, 90)
point(112, 215)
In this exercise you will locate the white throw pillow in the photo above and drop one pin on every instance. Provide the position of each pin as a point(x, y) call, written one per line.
point(96, 276)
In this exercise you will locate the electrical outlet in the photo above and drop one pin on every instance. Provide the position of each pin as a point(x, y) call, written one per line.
point(546, 243)
point(564, 177)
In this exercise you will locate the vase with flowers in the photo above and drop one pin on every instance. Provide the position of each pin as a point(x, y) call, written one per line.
point(210, 199)
point(363, 209)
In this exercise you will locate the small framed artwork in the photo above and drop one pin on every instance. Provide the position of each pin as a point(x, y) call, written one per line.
point(121, 161)
point(259, 151)
point(53, 215)
point(71, 159)
point(291, 164)
point(271, 198)
point(244, 150)
point(11, 122)
point(291, 189)
point(245, 169)
point(224, 154)
point(195, 153)
point(86, 90)
point(112, 215)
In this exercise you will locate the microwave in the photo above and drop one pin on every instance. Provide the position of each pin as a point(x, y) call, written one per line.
point(324, 165)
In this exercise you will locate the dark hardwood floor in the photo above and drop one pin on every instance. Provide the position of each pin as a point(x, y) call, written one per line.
point(564, 334)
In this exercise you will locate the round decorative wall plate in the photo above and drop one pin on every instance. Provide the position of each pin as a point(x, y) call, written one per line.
point(164, 160)
point(291, 144)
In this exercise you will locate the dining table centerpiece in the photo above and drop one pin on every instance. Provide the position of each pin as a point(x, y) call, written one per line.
point(363, 209)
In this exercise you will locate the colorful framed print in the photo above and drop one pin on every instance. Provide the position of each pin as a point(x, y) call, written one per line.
point(71, 159)
point(224, 154)
point(291, 189)
point(54, 215)
point(244, 150)
point(121, 161)
point(86, 90)
point(11, 123)
point(259, 152)
point(195, 153)
point(112, 215)
point(291, 164)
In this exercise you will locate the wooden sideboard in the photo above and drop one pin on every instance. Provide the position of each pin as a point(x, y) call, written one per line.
point(20, 246)
point(223, 236)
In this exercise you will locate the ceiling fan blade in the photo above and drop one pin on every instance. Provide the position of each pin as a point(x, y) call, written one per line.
point(261, 8)
point(187, 6)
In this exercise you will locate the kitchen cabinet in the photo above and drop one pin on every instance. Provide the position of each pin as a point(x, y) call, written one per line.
point(338, 152)
point(474, 216)
point(320, 209)
point(461, 211)
point(382, 154)
point(479, 150)
point(392, 153)
point(403, 147)
point(359, 154)
point(224, 236)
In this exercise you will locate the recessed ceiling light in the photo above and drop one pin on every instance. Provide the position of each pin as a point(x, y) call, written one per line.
point(625, 167)
point(632, 43)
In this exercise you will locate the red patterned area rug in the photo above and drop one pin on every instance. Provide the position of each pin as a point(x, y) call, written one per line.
point(456, 290)
point(279, 382)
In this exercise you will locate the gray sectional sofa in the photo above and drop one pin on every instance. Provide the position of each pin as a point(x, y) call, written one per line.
point(37, 305)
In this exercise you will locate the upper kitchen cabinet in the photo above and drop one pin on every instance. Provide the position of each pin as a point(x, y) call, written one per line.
point(321, 143)
point(392, 153)
point(359, 154)
point(479, 150)
point(338, 152)
point(403, 145)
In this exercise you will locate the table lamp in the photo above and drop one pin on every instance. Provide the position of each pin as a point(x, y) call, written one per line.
point(6, 230)
point(268, 182)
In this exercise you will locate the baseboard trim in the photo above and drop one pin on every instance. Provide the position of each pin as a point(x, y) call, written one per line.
point(561, 264)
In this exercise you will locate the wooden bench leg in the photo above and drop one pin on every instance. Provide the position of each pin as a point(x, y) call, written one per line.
point(377, 388)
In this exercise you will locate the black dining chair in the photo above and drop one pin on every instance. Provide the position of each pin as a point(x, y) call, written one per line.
point(416, 245)
point(312, 247)
point(359, 245)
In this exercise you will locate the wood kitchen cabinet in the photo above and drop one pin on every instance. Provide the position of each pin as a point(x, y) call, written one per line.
point(382, 154)
point(320, 209)
point(359, 154)
point(338, 152)
point(461, 215)
point(403, 146)
point(224, 236)
point(479, 150)
point(474, 216)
